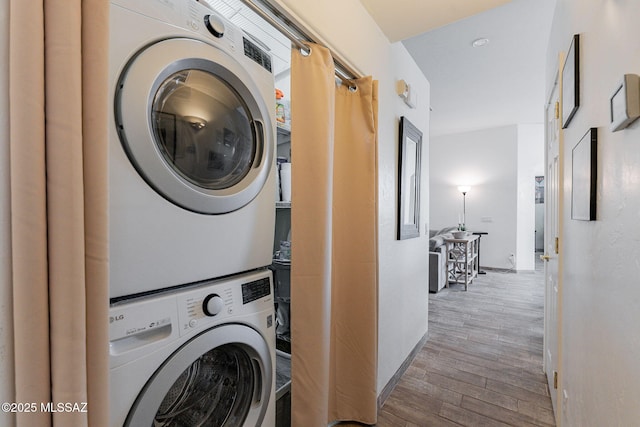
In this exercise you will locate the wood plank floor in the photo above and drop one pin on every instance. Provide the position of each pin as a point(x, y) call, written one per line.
point(482, 363)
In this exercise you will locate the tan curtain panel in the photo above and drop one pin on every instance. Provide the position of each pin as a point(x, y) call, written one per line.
point(334, 245)
point(28, 208)
point(58, 53)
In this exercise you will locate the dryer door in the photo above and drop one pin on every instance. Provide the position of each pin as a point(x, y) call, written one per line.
point(222, 377)
point(195, 125)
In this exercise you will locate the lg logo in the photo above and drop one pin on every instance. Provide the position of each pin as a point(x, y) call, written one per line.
point(116, 318)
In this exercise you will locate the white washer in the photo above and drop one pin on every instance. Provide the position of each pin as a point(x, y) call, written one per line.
point(200, 355)
point(192, 143)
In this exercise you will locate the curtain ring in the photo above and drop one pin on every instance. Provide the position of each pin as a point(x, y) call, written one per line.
point(353, 88)
point(307, 52)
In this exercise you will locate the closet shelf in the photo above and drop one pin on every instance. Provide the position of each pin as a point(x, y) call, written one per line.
point(284, 135)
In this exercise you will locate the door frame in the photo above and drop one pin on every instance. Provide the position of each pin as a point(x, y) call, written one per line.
point(557, 82)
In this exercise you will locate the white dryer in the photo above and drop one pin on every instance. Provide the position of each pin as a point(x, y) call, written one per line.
point(202, 355)
point(192, 143)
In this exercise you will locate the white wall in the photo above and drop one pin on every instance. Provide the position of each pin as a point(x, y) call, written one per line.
point(486, 160)
point(403, 266)
point(6, 309)
point(601, 293)
point(530, 164)
point(500, 164)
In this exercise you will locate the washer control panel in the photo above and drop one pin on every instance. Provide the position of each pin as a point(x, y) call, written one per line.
point(197, 308)
point(212, 305)
point(218, 301)
point(255, 290)
point(140, 325)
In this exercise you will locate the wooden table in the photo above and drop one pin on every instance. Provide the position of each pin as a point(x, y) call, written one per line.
point(461, 256)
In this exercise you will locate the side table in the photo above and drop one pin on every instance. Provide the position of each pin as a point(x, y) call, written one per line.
point(480, 234)
point(462, 260)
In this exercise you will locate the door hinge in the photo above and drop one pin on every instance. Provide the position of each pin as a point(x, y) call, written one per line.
point(557, 245)
point(557, 113)
point(555, 380)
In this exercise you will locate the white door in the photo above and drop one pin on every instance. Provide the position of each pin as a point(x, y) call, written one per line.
point(551, 249)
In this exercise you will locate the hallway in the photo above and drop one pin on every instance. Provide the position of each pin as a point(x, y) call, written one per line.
point(482, 363)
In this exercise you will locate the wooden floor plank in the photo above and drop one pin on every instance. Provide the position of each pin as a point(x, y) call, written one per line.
point(482, 363)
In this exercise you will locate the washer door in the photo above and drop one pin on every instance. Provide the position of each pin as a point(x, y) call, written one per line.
point(195, 126)
point(222, 377)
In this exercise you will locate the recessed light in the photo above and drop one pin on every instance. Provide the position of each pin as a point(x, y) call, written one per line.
point(480, 42)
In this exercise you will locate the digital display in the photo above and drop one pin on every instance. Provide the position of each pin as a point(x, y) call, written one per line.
point(255, 53)
point(255, 290)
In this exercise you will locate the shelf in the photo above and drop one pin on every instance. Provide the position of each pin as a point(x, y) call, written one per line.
point(284, 129)
point(461, 256)
point(283, 373)
point(284, 134)
point(283, 205)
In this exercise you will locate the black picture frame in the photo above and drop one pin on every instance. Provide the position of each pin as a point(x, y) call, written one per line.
point(584, 177)
point(409, 167)
point(571, 82)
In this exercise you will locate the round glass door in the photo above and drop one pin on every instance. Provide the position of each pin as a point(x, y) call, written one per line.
point(203, 129)
point(220, 378)
point(213, 391)
point(196, 125)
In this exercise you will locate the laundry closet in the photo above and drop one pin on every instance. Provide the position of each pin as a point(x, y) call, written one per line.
point(279, 48)
point(192, 201)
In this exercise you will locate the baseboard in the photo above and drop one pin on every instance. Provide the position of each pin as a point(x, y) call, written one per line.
point(507, 270)
point(499, 270)
point(386, 391)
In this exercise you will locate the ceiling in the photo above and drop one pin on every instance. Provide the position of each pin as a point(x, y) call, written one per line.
point(499, 84)
point(401, 19)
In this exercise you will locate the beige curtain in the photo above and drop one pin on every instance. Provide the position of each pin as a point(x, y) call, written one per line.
point(334, 245)
point(58, 120)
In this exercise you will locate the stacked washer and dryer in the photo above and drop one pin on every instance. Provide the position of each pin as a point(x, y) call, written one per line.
point(191, 219)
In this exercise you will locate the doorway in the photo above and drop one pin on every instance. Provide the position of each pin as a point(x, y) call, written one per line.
point(539, 214)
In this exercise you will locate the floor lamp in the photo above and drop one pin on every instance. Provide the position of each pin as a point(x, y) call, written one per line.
point(464, 189)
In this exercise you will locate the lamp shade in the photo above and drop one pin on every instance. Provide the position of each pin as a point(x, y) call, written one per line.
point(464, 188)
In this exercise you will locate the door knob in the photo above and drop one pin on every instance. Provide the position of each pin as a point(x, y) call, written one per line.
point(545, 257)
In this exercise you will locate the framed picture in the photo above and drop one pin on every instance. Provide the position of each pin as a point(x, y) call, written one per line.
point(409, 180)
point(571, 82)
point(584, 166)
point(624, 104)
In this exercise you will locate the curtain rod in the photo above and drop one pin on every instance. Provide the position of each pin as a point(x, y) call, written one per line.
point(343, 72)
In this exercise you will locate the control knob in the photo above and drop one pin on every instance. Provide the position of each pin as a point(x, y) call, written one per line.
point(214, 25)
point(212, 305)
